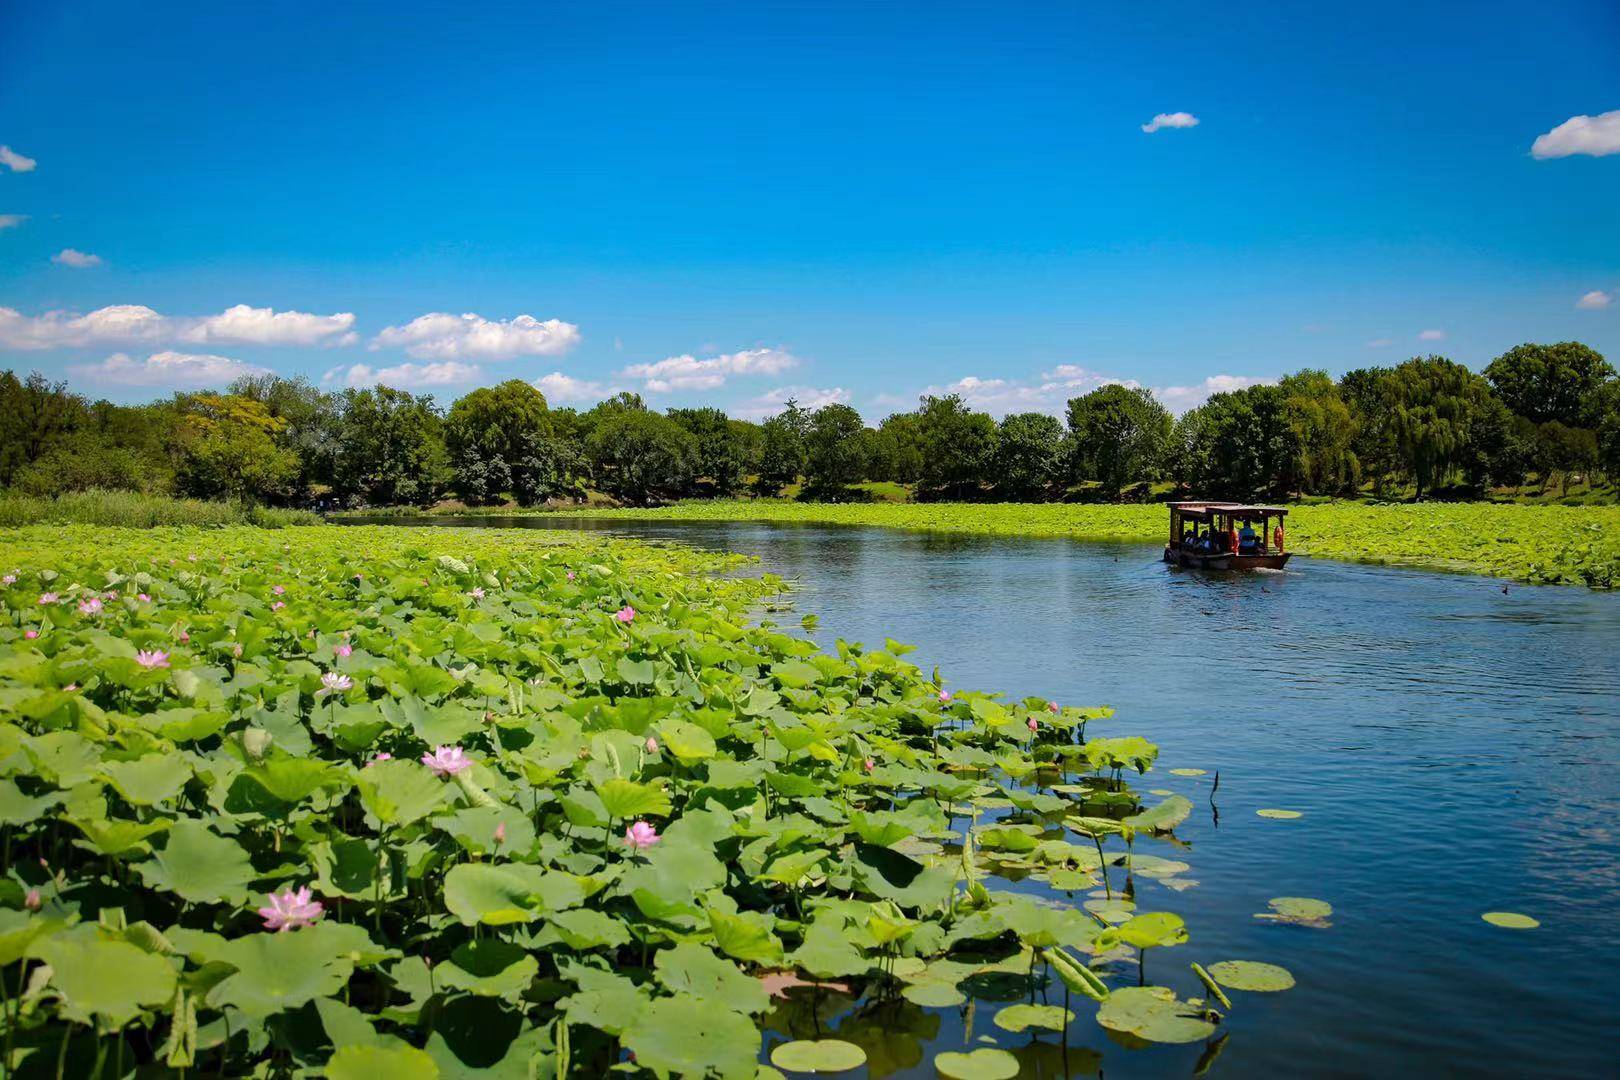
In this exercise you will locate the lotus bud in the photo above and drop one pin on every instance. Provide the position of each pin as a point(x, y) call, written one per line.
point(32, 901)
point(652, 745)
point(256, 742)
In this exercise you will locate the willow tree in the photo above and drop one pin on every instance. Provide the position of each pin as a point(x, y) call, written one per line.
point(1434, 405)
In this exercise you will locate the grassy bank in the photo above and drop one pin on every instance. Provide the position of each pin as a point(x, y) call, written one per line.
point(1577, 545)
point(534, 804)
point(134, 510)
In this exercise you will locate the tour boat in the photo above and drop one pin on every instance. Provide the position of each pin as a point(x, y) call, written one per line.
point(1211, 536)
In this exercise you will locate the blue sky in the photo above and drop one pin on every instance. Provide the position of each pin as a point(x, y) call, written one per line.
point(727, 203)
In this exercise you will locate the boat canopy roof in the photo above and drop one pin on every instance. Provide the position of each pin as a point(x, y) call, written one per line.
point(1204, 508)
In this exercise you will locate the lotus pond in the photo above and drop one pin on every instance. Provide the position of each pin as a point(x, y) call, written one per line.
point(1451, 745)
point(421, 803)
point(470, 803)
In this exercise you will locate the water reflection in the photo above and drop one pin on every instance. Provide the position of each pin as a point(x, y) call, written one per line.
point(1453, 749)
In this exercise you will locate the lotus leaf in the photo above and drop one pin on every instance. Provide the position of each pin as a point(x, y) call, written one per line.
point(199, 865)
point(1251, 975)
point(1024, 1017)
point(371, 1062)
point(1299, 910)
point(1510, 920)
point(1153, 1013)
point(984, 1063)
point(818, 1056)
point(694, 969)
point(109, 980)
point(687, 1036)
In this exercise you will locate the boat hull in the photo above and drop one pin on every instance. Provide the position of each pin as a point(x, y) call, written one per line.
point(1226, 560)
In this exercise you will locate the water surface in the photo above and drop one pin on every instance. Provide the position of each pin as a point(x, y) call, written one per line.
point(1454, 746)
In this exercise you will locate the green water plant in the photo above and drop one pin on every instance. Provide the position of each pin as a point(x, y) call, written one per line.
point(374, 801)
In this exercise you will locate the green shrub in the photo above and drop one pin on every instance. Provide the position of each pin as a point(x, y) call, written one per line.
point(138, 511)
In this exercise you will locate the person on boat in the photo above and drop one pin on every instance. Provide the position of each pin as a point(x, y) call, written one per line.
point(1247, 541)
point(1277, 537)
point(1231, 536)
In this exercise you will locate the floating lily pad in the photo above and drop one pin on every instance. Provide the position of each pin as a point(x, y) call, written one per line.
point(1298, 910)
point(818, 1056)
point(1153, 1013)
point(1510, 920)
point(1251, 975)
point(1280, 815)
point(1023, 1017)
point(984, 1063)
point(933, 995)
point(1188, 772)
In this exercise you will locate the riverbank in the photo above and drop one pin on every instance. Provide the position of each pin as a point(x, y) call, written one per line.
point(1545, 545)
point(132, 509)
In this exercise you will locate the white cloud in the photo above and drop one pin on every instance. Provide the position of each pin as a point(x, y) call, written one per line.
point(1596, 136)
point(441, 336)
point(1050, 394)
point(243, 325)
point(566, 389)
point(179, 371)
point(125, 323)
point(1432, 335)
point(1596, 300)
point(15, 161)
point(79, 260)
point(11, 221)
point(808, 397)
point(408, 376)
point(1170, 120)
point(687, 372)
point(1180, 399)
point(1380, 343)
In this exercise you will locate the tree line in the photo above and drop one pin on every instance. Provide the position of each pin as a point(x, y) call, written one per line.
point(1424, 425)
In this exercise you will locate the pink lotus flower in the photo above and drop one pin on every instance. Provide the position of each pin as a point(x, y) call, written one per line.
point(1052, 706)
point(570, 575)
point(1033, 724)
point(625, 614)
point(70, 688)
point(184, 636)
point(652, 745)
point(477, 594)
point(944, 697)
point(641, 836)
point(236, 650)
point(30, 634)
point(9, 579)
point(90, 605)
point(333, 683)
point(277, 606)
point(154, 658)
point(869, 764)
point(192, 557)
point(143, 598)
point(381, 755)
point(500, 833)
point(32, 901)
point(291, 910)
point(48, 598)
point(278, 589)
point(342, 649)
point(447, 760)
